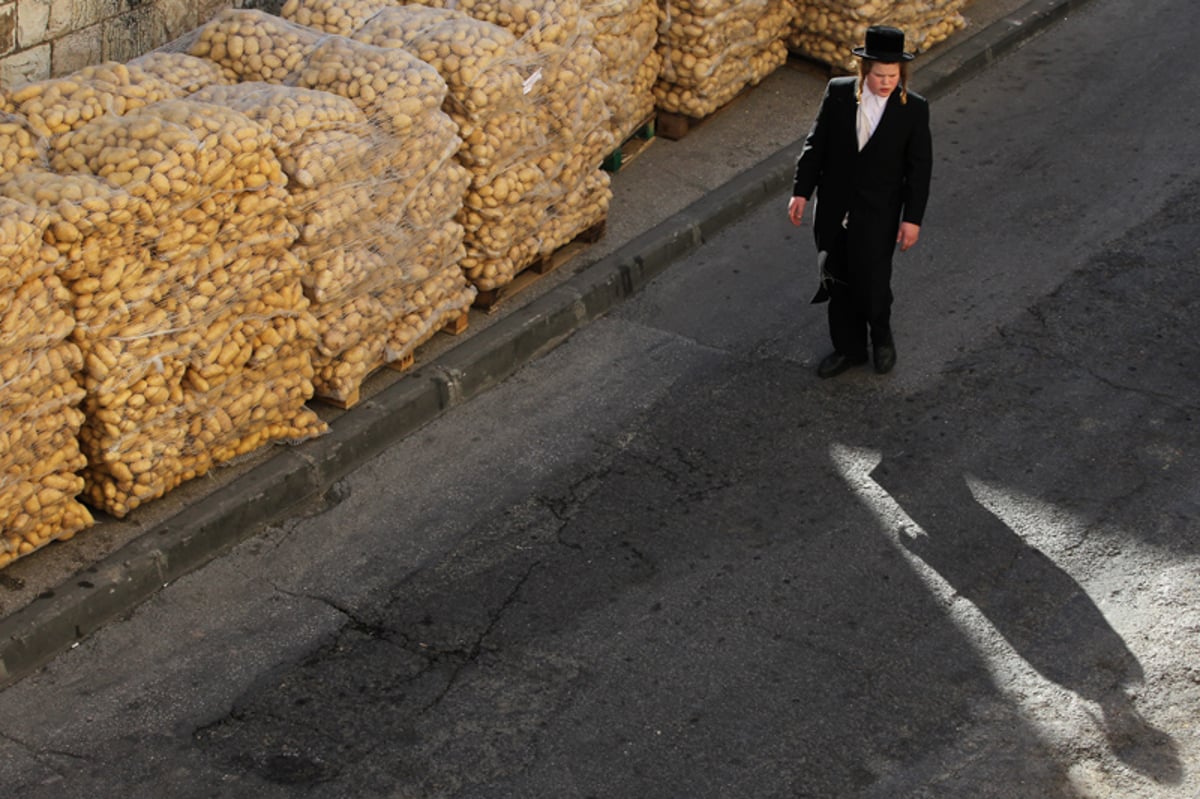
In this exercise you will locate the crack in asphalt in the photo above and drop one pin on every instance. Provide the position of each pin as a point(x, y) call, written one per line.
point(42, 756)
point(471, 654)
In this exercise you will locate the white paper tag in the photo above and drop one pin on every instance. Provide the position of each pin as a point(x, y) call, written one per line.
point(532, 80)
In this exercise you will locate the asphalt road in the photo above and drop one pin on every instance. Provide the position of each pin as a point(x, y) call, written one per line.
point(667, 561)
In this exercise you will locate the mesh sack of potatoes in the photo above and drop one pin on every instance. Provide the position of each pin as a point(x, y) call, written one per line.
point(256, 291)
point(547, 28)
point(39, 395)
point(583, 206)
point(544, 25)
point(421, 310)
point(341, 17)
point(565, 80)
point(129, 464)
point(374, 243)
point(362, 192)
point(171, 158)
point(391, 86)
point(404, 96)
point(626, 38)
point(60, 105)
point(337, 164)
point(827, 30)
point(35, 306)
point(385, 321)
point(364, 187)
point(712, 49)
point(23, 252)
point(292, 114)
point(40, 460)
point(436, 295)
point(19, 145)
point(173, 154)
point(186, 73)
point(139, 436)
point(154, 413)
point(575, 95)
point(484, 67)
point(502, 218)
point(96, 231)
point(251, 45)
point(559, 67)
point(37, 313)
point(208, 175)
point(355, 312)
point(211, 175)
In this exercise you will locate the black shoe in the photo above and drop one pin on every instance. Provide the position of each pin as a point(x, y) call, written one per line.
point(835, 363)
point(885, 358)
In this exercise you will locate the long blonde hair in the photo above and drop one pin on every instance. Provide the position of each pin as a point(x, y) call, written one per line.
point(864, 67)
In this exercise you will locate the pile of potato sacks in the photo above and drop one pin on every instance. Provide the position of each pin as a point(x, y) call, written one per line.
point(713, 49)
point(375, 191)
point(169, 217)
point(827, 30)
point(525, 88)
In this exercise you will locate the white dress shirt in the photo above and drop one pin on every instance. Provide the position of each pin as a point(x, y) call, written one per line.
point(870, 111)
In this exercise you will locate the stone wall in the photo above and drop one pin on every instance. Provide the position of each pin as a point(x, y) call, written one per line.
point(45, 38)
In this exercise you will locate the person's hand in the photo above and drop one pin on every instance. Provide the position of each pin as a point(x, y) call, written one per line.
point(796, 209)
point(909, 233)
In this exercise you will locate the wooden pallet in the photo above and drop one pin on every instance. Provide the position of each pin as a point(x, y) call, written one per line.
point(489, 299)
point(454, 327)
point(636, 144)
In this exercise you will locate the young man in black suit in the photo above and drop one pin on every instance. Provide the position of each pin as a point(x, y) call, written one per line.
point(868, 157)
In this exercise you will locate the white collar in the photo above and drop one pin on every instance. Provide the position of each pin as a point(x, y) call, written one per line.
point(873, 102)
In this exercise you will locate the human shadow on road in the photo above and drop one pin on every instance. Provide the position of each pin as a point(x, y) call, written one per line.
point(1039, 609)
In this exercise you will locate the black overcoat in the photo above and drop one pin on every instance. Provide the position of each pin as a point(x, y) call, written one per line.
point(884, 184)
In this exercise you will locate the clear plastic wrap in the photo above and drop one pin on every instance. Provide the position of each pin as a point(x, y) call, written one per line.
point(61, 105)
point(39, 395)
point(186, 73)
point(253, 46)
point(526, 87)
point(368, 153)
point(529, 210)
point(712, 49)
point(20, 146)
point(627, 38)
point(173, 221)
point(827, 30)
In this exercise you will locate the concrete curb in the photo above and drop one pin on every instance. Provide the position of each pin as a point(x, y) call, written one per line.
point(235, 512)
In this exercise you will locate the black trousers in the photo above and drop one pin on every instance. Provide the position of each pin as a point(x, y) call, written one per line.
point(860, 301)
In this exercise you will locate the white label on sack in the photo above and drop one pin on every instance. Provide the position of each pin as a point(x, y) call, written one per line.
point(532, 80)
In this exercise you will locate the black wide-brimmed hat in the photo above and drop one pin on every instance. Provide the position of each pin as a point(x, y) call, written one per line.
point(884, 44)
